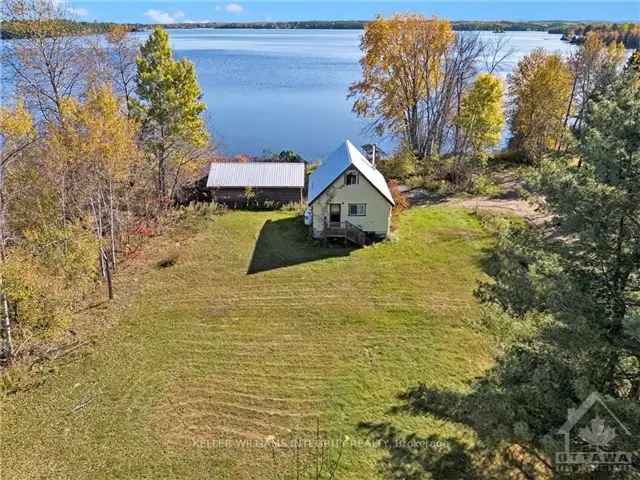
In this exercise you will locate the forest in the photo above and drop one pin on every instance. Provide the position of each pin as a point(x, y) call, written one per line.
point(628, 34)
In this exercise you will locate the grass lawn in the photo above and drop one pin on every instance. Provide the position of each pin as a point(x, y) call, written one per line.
point(254, 333)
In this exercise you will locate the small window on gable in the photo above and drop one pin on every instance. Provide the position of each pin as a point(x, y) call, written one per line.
point(351, 178)
point(357, 209)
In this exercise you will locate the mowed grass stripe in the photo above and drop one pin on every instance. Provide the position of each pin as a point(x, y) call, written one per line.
point(206, 351)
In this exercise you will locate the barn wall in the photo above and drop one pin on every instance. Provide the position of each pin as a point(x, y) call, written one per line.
point(236, 197)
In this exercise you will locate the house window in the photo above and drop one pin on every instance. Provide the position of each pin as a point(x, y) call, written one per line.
point(357, 209)
point(351, 178)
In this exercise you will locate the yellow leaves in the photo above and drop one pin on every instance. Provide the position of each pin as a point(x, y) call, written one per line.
point(594, 52)
point(117, 33)
point(16, 122)
point(16, 128)
point(95, 136)
point(402, 57)
point(616, 53)
point(49, 273)
point(482, 116)
point(592, 43)
point(540, 88)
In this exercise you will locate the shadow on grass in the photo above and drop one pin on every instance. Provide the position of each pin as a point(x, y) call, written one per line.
point(286, 242)
point(410, 456)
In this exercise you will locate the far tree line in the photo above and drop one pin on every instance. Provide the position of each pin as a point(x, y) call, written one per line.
point(628, 34)
point(574, 31)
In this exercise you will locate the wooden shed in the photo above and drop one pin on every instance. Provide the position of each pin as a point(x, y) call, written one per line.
point(238, 184)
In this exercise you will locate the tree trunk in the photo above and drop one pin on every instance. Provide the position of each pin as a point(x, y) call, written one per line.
point(568, 113)
point(112, 226)
point(6, 328)
point(107, 269)
point(162, 172)
point(5, 322)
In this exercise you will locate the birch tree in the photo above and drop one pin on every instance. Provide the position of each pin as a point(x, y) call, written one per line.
point(97, 148)
point(122, 51)
point(17, 134)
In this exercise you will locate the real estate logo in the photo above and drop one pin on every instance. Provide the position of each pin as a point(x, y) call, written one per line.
point(592, 434)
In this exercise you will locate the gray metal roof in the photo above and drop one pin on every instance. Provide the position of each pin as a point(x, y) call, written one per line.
point(256, 174)
point(345, 156)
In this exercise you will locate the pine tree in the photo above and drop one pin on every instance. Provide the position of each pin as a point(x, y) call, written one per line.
point(169, 106)
point(634, 61)
point(574, 286)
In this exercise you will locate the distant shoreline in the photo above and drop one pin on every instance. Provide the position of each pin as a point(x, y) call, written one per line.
point(573, 32)
point(10, 30)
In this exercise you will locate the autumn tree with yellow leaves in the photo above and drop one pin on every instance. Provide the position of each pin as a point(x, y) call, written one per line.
point(539, 92)
point(67, 233)
point(481, 116)
point(416, 73)
point(97, 156)
point(401, 65)
point(17, 134)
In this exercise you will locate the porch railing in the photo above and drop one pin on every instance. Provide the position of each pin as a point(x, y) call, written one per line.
point(347, 230)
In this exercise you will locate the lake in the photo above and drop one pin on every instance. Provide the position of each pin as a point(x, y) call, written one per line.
point(273, 90)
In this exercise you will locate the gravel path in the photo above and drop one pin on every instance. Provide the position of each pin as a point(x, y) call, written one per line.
point(509, 202)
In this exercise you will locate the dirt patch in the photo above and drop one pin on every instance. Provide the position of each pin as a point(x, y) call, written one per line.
point(518, 207)
point(510, 202)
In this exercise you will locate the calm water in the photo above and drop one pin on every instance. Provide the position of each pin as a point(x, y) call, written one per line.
point(270, 90)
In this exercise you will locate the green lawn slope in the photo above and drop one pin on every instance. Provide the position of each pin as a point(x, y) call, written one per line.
point(257, 335)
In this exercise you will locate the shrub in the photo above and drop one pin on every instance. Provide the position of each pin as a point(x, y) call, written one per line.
point(298, 207)
point(399, 166)
point(485, 186)
point(400, 199)
point(51, 271)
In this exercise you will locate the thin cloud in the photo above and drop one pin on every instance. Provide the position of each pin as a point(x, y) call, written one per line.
point(158, 16)
point(234, 8)
point(78, 12)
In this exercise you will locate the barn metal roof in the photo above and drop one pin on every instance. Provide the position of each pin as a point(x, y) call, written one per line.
point(345, 156)
point(256, 174)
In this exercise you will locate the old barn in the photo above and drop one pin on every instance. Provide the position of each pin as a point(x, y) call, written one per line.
point(238, 184)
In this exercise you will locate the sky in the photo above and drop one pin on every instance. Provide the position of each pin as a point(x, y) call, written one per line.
point(176, 11)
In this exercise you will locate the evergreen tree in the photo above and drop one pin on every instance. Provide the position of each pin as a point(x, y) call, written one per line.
point(634, 61)
point(169, 106)
point(577, 290)
point(564, 305)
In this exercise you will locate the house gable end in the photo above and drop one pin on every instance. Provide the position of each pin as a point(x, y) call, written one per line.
point(351, 166)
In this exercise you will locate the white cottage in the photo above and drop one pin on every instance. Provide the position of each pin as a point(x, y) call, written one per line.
point(349, 198)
